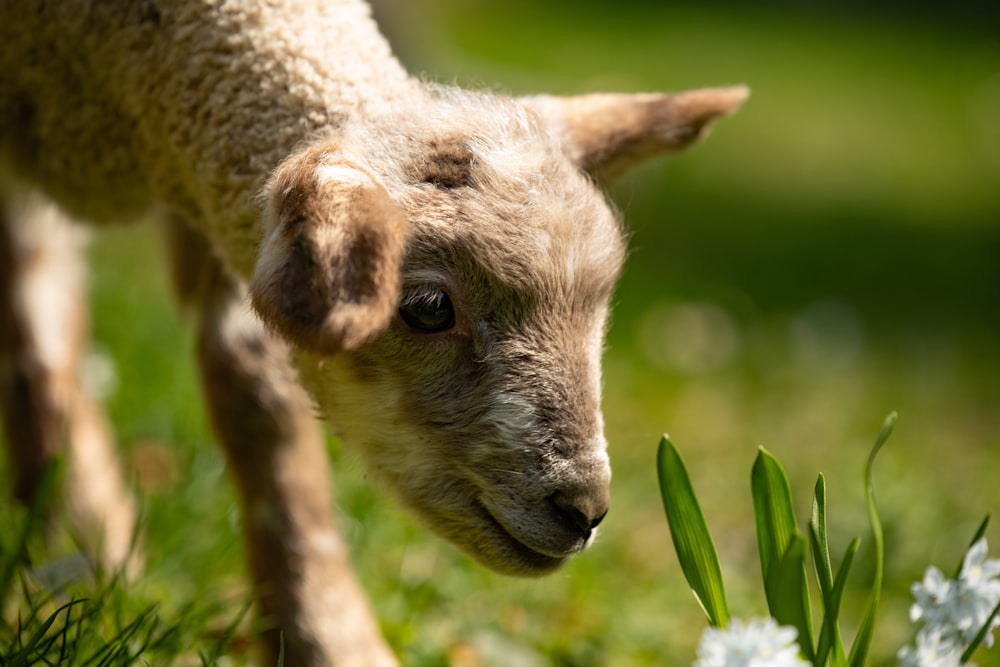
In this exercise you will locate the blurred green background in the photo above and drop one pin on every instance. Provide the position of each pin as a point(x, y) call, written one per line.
point(829, 254)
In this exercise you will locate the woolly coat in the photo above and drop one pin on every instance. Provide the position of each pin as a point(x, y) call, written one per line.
point(120, 106)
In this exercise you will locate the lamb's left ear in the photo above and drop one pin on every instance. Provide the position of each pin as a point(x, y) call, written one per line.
point(328, 270)
point(606, 133)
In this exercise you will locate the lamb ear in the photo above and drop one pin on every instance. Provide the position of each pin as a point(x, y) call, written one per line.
point(327, 275)
point(605, 133)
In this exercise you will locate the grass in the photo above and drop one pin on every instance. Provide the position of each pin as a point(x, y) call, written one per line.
point(829, 255)
point(63, 610)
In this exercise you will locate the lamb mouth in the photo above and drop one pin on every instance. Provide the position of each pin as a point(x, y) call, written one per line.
point(520, 558)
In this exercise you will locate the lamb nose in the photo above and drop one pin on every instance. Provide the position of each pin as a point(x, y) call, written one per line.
point(583, 511)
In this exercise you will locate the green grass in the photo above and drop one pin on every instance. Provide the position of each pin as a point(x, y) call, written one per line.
point(829, 255)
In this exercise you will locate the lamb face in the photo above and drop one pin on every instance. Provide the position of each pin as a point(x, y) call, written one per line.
point(444, 275)
point(480, 402)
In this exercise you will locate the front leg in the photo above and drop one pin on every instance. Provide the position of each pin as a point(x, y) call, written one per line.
point(308, 594)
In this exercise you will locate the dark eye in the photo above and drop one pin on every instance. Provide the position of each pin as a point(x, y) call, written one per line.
point(427, 310)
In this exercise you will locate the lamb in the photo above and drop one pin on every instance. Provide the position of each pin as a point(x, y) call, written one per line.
point(428, 268)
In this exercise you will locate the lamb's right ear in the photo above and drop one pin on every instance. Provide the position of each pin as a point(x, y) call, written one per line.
point(328, 271)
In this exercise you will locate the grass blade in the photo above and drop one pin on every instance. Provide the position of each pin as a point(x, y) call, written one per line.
point(692, 541)
point(981, 530)
point(987, 627)
point(829, 636)
point(38, 644)
point(818, 535)
point(34, 524)
point(117, 650)
point(975, 538)
point(830, 643)
point(773, 511)
point(778, 541)
point(981, 635)
point(788, 597)
point(220, 646)
point(862, 642)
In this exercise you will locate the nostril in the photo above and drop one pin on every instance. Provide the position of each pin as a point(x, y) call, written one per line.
point(581, 512)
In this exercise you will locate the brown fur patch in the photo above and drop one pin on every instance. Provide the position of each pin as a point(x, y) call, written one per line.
point(446, 164)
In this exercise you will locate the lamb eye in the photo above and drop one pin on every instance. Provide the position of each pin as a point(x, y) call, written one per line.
point(427, 310)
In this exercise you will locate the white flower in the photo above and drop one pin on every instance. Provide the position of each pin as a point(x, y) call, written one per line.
point(978, 592)
point(934, 598)
point(755, 643)
point(956, 610)
point(932, 650)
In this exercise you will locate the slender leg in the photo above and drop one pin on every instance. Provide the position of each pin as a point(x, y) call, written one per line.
point(308, 594)
point(45, 408)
